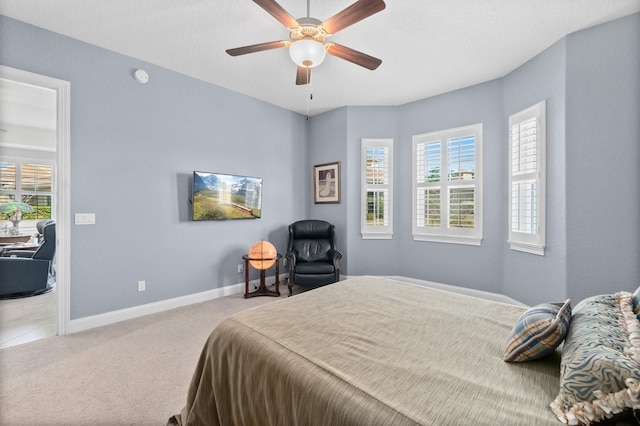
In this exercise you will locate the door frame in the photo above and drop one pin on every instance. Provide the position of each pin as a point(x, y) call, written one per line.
point(63, 184)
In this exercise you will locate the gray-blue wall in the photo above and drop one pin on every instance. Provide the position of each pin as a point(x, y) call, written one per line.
point(527, 276)
point(590, 81)
point(478, 267)
point(603, 158)
point(133, 148)
point(327, 144)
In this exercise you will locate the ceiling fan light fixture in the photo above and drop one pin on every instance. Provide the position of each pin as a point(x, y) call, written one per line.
point(307, 53)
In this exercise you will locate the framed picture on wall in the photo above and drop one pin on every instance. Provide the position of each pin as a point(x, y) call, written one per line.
point(326, 183)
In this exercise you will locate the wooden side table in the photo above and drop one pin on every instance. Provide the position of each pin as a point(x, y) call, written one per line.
point(262, 290)
point(12, 239)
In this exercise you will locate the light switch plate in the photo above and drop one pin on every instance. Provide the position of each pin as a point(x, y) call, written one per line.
point(85, 218)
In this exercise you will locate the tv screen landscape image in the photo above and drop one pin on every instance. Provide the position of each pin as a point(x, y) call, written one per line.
point(219, 196)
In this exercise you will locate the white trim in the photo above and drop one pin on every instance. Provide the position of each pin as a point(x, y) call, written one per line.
point(378, 232)
point(93, 321)
point(63, 196)
point(377, 235)
point(520, 241)
point(26, 148)
point(527, 248)
point(449, 239)
point(482, 294)
point(112, 317)
point(63, 140)
point(86, 323)
point(444, 234)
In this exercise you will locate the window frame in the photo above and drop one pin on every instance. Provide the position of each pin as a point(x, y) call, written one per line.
point(444, 234)
point(29, 226)
point(379, 232)
point(534, 243)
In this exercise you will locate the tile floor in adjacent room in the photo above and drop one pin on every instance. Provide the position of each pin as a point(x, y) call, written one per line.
point(27, 319)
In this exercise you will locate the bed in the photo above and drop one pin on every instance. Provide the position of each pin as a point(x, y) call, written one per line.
point(373, 351)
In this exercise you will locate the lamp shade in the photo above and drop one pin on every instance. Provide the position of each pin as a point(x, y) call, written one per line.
point(262, 255)
point(307, 53)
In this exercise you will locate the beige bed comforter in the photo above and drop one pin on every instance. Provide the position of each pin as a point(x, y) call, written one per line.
point(369, 351)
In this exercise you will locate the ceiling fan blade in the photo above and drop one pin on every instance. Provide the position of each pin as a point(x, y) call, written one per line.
point(258, 47)
point(278, 12)
point(303, 76)
point(352, 55)
point(356, 12)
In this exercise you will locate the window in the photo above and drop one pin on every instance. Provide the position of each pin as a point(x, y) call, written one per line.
point(28, 183)
point(447, 186)
point(527, 146)
point(377, 189)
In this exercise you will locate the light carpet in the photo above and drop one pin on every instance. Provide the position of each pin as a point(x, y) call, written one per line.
point(134, 372)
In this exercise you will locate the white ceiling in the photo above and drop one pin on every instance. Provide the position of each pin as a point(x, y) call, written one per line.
point(427, 47)
point(27, 116)
point(26, 105)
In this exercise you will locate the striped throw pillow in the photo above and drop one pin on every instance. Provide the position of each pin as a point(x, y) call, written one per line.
point(538, 332)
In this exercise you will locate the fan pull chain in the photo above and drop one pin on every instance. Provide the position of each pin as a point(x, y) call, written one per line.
point(309, 92)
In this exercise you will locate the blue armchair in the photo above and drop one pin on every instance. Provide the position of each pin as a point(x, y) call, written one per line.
point(27, 273)
point(40, 228)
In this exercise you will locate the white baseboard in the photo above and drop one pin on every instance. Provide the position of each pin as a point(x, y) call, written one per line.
point(107, 318)
point(497, 297)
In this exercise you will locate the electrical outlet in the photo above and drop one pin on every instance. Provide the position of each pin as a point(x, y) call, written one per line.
point(239, 268)
point(142, 285)
point(284, 262)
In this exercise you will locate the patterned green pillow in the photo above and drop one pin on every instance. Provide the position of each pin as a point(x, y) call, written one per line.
point(600, 368)
point(538, 332)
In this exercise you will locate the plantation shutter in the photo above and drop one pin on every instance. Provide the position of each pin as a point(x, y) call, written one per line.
point(524, 171)
point(377, 203)
point(428, 188)
point(28, 183)
point(461, 168)
point(526, 180)
point(447, 186)
point(37, 177)
point(8, 182)
point(377, 185)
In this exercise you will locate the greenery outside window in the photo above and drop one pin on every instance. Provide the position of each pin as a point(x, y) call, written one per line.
point(447, 186)
point(29, 183)
point(377, 189)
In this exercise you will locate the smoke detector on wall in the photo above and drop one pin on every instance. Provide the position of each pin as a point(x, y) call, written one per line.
point(141, 76)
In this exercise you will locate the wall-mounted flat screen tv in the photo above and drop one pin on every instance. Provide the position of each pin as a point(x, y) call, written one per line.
point(219, 196)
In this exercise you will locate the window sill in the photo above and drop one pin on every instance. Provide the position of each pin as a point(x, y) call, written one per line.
point(470, 241)
point(377, 235)
point(527, 248)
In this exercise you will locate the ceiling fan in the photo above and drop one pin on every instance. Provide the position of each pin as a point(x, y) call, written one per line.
point(307, 35)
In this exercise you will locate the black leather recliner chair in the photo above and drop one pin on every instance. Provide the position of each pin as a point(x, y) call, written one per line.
point(312, 254)
point(27, 273)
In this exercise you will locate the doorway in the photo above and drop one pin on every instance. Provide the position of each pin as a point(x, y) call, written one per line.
point(60, 90)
